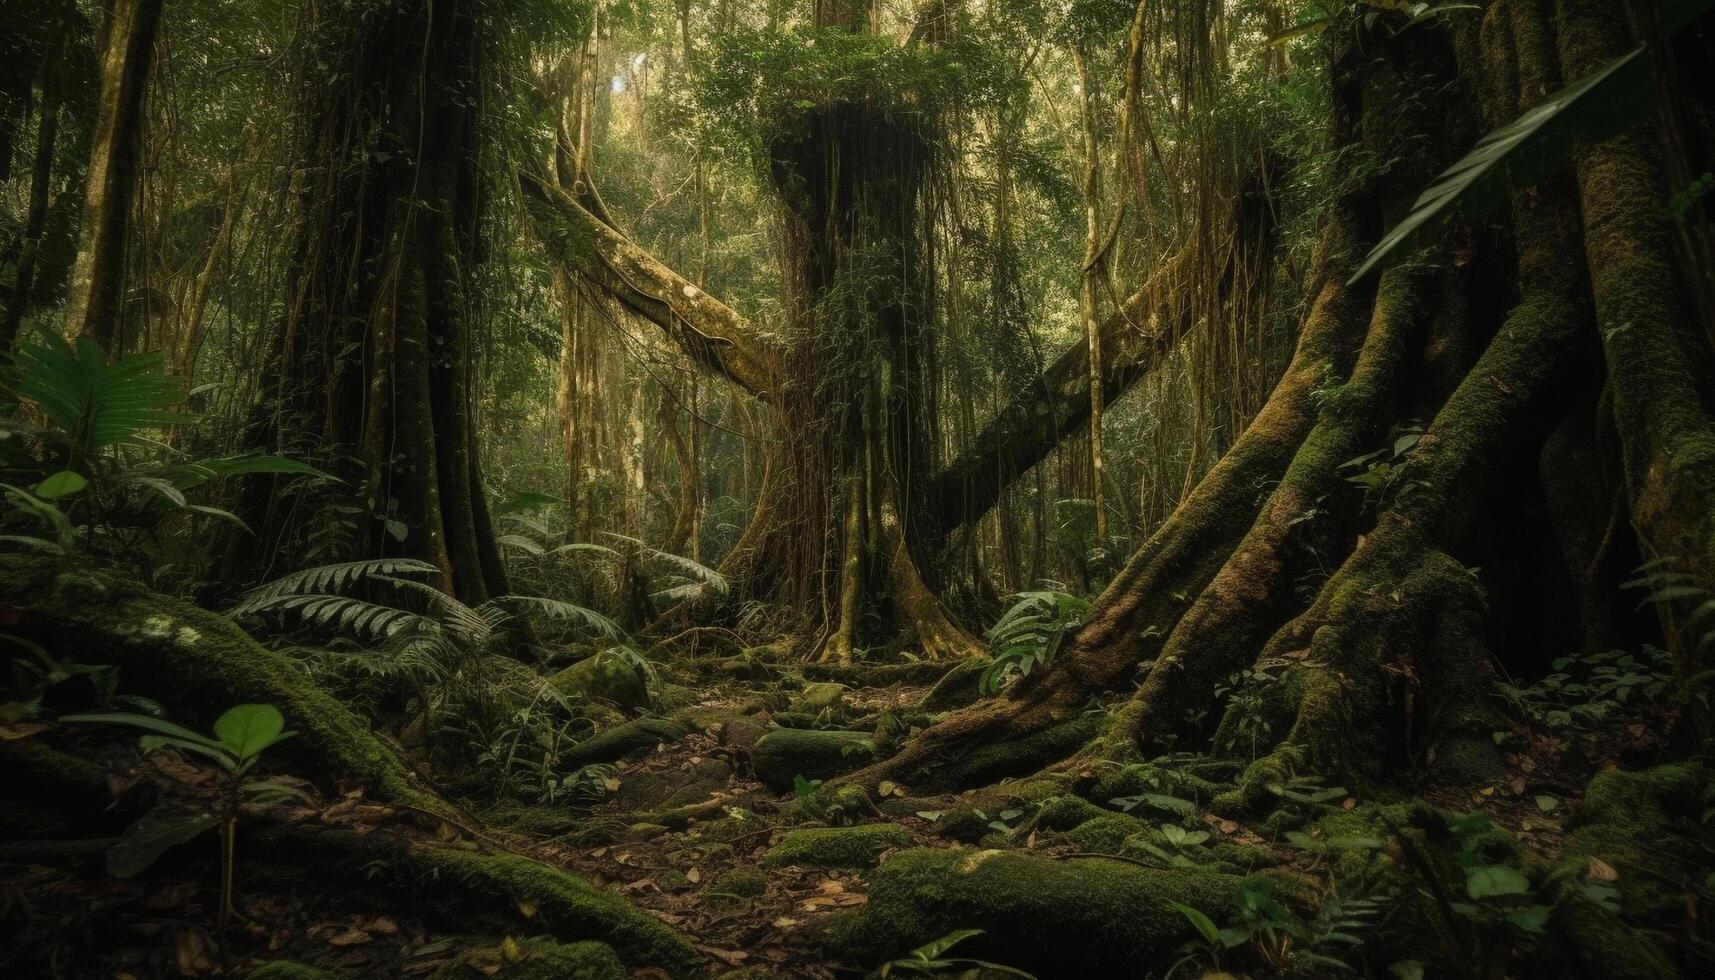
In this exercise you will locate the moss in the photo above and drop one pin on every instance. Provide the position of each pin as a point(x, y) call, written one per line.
point(1647, 826)
point(957, 687)
point(1066, 812)
point(537, 958)
point(1107, 833)
point(289, 970)
point(458, 884)
point(836, 847)
point(193, 660)
point(739, 883)
point(1081, 917)
point(994, 761)
point(786, 753)
point(639, 735)
point(605, 677)
point(821, 696)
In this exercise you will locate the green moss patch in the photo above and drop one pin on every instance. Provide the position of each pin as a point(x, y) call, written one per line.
point(836, 847)
point(787, 753)
point(1080, 917)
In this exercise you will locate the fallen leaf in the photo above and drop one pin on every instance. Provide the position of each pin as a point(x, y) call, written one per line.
point(350, 937)
point(527, 908)
point(693, 876)
point(191, 953)
point(23, 729)
point(1601, 870)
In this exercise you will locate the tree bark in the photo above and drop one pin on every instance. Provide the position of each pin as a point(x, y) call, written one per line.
point(126, 46)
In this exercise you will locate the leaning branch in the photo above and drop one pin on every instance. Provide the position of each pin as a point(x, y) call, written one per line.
point(712, 334)
point(1134, 340)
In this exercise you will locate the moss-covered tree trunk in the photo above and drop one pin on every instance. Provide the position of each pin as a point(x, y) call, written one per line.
point(1353, 591)
point(375, 348)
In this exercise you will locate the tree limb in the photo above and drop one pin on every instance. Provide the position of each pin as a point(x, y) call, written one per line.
point(713, 335)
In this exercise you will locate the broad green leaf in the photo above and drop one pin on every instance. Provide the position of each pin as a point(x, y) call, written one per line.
point(1491, 880)
point(1206, 926)
point(933, 950)
point(1529, 149)
point(61, 484)
point(155, 725)
point(247, 729)
point(169, 824)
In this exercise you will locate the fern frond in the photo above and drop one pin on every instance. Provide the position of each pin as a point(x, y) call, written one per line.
point(330, 579)
point(556, 609)
point(343, 613)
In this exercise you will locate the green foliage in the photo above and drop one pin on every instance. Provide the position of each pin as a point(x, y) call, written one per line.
point(1382, 474)
point(92, 403)
point(1588, 690)
point(94, 463)
point(241, 734)
point(1029, 634)
point(1536, 145)
point(1501, 895)
point(931, 959)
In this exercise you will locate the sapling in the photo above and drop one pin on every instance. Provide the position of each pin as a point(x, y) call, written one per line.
point(241, 734)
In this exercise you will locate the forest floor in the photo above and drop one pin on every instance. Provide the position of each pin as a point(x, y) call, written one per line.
point(753, 877)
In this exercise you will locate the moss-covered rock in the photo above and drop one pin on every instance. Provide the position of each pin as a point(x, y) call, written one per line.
point(821, 696)
point(836, 847)
point(606, 676)
point(1067, 812)
point(786, 753)
point(1107, 833)
point(538, 958)
point(1081, 917)
point(637, 735)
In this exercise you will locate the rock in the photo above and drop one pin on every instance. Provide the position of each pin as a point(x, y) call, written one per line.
point(821, 696)
point(616, 743)
point(672, 788)
point(1079, 917)
point(836, 847)
point(786, 753)
point(607, 676)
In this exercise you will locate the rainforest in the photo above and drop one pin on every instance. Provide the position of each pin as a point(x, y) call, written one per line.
point(1158, 489)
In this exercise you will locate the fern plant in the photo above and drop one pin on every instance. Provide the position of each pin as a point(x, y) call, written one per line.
point(92, 465)
point(473, 696)
point(1029, 634)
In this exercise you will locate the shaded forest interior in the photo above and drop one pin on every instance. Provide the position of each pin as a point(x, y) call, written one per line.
point(841, 488)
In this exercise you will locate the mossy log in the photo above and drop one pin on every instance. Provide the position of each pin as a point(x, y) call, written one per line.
point(199, 663)
point(459, 887)
point(639, 735)
point(1079, 917)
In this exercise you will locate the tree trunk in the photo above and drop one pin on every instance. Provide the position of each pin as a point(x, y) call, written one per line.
point(375, 346)
point(126, 47)
point(1387, 660)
